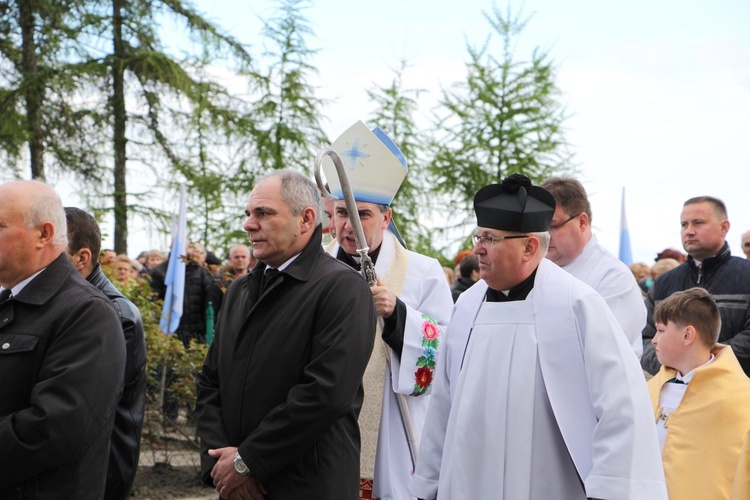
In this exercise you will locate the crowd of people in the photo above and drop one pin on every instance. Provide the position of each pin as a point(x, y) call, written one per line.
point(539, 366)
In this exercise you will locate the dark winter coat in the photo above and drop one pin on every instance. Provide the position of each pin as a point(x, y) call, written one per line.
point(727, 279)
point(62, 360)
point(126, 435)
point(282, 379)
point(460, 286)
point(200, 289)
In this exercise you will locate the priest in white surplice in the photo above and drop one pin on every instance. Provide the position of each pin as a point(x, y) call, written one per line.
point(537, 394)
point(413, 301)
point(575, 248)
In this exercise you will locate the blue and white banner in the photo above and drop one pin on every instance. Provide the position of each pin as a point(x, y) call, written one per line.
point(626, 253)
point(175, 279)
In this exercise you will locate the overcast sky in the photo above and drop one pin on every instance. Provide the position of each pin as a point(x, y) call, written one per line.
point(658, 92)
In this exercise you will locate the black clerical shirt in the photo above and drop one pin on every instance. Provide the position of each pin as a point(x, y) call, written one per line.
point(518, 292)
point(393, 327)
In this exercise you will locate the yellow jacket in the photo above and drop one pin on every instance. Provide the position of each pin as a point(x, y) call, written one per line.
point(704, 444)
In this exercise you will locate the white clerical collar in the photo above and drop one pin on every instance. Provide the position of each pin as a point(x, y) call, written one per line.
point(588, 249)
point(687, 378)
point(20, 286)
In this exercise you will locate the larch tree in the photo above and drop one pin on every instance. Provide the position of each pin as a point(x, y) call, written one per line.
point(505, 117)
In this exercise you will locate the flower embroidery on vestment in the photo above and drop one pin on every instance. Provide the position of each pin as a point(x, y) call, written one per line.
point(426, 362)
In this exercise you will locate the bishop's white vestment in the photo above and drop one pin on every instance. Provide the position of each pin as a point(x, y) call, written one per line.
point(538, 399)
point(419, 282)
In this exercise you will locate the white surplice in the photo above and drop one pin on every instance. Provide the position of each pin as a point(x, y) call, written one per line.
point(426, 294)
point(612, 279)
point(538, 399)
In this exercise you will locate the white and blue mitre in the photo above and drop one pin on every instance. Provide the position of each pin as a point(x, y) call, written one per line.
point(374, 164)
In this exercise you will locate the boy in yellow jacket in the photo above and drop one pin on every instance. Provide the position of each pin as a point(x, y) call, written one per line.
point(701, 400)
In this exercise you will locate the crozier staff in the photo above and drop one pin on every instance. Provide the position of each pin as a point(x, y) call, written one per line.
point(413, 301)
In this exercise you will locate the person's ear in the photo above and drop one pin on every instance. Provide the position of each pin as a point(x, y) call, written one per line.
point(82, 259)
point(583, 220)
point(85, 258)
point(531, 247)
point(388, 215)
point(689, 335)
point(47, 232)
point(724, 227)
point(307, 220)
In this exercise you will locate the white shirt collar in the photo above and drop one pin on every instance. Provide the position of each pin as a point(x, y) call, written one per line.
point(687, 378)
point(284, 265)
point(21, 285)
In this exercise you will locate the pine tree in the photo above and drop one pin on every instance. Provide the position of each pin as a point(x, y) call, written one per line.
point(288, 113)
point(504, 118)
point(395, 107)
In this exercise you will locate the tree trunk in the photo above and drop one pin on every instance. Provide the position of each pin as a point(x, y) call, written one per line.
point(33, 88)
point(120, 121)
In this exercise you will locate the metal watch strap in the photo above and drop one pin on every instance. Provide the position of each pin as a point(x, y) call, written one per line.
point(240, 466)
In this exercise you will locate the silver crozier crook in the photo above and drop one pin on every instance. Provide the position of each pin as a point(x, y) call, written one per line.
point(368, 268)
point(368, 271)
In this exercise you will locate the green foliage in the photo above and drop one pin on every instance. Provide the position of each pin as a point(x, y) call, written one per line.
point(394, 113)
point(172, 120)
point(503, 118)
point(163, 351)
point(287, 132)
point(38, 47)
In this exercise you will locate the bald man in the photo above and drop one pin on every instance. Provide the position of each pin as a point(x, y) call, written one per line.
point(62, 356)
point(240, 261)
point(746, 243)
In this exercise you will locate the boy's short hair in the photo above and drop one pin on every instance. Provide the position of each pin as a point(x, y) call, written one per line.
point(693, 307)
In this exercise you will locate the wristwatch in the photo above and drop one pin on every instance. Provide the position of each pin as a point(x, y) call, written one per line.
point(240, 466)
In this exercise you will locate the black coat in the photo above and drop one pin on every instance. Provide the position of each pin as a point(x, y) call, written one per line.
point(282, 379)
point(62, 360)
point(200, 289)
point(126, 435)
point(460, 286)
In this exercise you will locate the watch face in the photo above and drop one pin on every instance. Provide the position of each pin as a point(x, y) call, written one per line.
point(239, 465)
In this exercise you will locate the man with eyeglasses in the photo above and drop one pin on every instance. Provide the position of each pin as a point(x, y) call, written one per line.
point(746, 243)
point(576, 249)
point(534, 396)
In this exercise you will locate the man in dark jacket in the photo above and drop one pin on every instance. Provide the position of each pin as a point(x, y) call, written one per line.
point(709, 265)
point(62, 356)
point(84, 241)
point(280, 390)
point(469, 267)
point(200, 289)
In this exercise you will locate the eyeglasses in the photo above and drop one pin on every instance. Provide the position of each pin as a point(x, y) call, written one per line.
point(487, 241)
point(557, 227)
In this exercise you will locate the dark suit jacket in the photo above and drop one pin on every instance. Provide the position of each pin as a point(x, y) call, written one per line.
point(282, 379)
point(62, 359)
